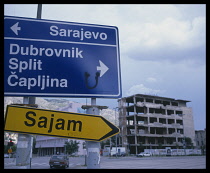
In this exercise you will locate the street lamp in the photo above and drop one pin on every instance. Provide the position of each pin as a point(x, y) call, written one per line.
point(184, 145)
point(116, 124)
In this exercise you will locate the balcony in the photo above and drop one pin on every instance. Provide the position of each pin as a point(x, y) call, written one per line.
point(155, 124)
point(177, 125)
point(150, 105)
point(156, 145)
point(175, 134)
point(142, 132)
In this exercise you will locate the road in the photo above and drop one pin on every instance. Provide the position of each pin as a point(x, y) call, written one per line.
point(179, 162)
point(43, 163)
point(131, 162)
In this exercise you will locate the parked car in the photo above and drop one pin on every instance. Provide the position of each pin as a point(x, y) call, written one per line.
point(142, 154)
point(122, 154)
point(59, 161)
point(6, 155)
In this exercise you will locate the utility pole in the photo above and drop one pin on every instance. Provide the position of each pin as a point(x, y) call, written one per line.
point(184, 145)
point(110, 144)
point(116, 135)
point(25, 141)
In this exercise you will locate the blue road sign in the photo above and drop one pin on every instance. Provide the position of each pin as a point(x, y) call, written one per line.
point(60, 59)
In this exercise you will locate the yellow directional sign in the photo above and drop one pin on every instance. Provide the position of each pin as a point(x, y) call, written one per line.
point(59, 124)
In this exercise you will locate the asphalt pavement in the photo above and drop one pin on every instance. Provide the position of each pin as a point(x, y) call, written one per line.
point(43, 163)
point(128, 162)
point(170, 162)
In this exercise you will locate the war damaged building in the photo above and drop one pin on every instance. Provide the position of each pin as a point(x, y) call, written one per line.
point(153, 122)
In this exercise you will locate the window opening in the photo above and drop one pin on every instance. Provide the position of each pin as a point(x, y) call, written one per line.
point(174, 103)
point(166, 103)
point(170, 112)
point(158, 101)
point(149, 100)
point(170, 121)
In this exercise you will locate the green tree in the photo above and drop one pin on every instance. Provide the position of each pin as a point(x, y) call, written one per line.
point(6, 148)
point(189, 143)
point(107, 142)
point(203, 148)
point(141, 147)
point(72, 146)
point(160, 146)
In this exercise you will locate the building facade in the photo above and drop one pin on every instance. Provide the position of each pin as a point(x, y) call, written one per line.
point(200, 138)
point(153, 122)
point(48, 146)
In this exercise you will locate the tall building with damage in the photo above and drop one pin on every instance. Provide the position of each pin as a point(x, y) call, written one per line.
point(152, 122)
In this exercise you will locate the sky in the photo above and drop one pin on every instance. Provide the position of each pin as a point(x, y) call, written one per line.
point(162, 47)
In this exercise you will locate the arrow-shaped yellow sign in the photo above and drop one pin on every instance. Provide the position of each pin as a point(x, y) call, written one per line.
point(60, 124)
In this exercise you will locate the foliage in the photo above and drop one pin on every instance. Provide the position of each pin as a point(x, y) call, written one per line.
point(189, 143)
point(160, 146)
point(107, 142)
point(72, 146)
point(14, 147)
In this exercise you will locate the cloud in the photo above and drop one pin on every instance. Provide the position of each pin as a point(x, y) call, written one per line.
point(151, 79)
point(158, 32)
point(151, 35)
point(171, 39)
point(141, 89)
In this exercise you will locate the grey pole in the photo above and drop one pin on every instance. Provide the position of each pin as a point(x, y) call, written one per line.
point(110, 143)
point(116, 135)
point(39, 11)
point(93, 148)
point(25, 141)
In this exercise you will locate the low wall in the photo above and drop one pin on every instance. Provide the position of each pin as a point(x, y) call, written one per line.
point(174, 152)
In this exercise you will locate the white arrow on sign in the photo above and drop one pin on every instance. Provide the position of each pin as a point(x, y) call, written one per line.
point(103, 68)
point(15, 28)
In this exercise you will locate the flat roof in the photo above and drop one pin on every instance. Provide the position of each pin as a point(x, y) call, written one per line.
point(154, 96)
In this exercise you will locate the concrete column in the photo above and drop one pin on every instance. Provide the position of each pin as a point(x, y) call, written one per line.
point(146, 110)
point(93, 148)
point(146, 140)
point(135, 124)
point(23, 151)
point(25, 143)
